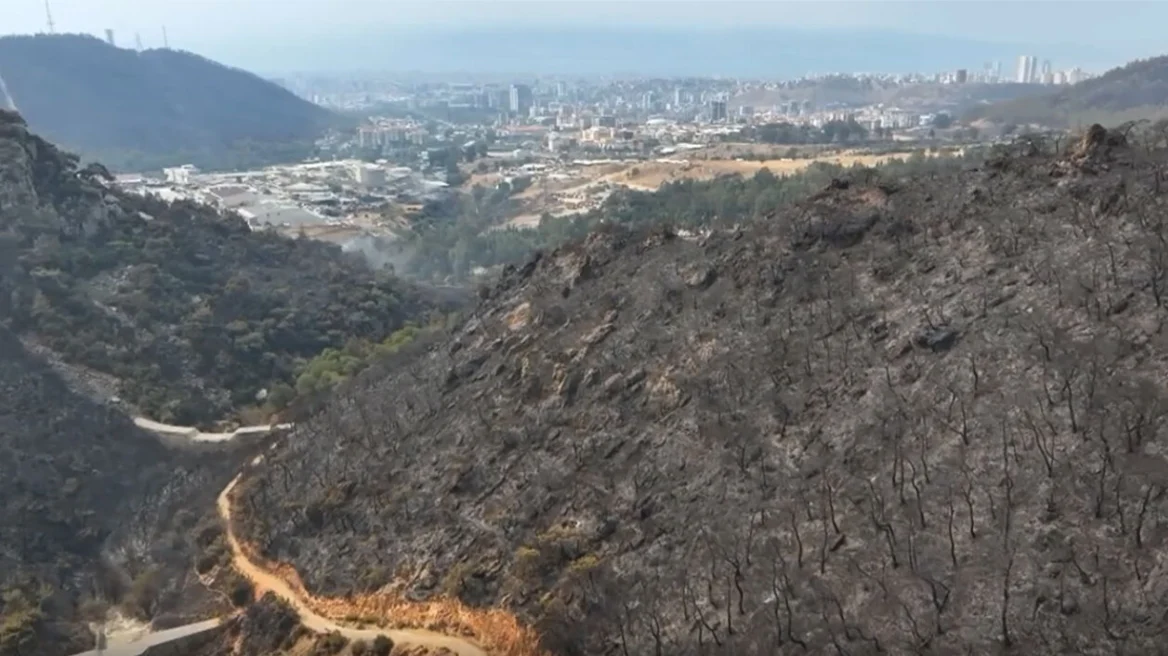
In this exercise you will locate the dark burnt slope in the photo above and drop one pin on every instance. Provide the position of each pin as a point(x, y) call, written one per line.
point(905, 416)
point(186, 312)
point(92, 508)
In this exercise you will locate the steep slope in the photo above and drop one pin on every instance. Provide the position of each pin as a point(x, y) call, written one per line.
point(93, 509)
point(153, 108)
point(905, 416)
point(1132, 92)
point(184, 313)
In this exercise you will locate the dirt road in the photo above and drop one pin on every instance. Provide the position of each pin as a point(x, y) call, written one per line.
point(266, 581)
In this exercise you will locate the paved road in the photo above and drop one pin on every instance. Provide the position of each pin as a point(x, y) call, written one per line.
point(136, 647)
point(195, 435)
point(266, 581)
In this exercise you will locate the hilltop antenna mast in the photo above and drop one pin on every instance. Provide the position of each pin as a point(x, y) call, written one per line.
point(49, 15)
point(165, 41)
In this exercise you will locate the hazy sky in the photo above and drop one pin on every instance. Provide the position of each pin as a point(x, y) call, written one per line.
point(219, 28)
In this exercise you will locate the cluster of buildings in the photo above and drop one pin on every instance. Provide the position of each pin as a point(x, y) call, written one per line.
point(388, 132)
point(296, 196)
point(610, 113)
point(1028, 72)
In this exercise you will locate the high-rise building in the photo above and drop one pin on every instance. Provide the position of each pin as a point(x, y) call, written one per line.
point(1035, 78)
point(499, 99)
point(678, 97)
point(962, 76)
point(1024, 66)
point(521, 99)
point(717, 110)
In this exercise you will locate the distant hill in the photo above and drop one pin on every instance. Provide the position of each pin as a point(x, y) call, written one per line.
point(155, 108)
point(183, 313)
point(852, 91)
point(1135, 91)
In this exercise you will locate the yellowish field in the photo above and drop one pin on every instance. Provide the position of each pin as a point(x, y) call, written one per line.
point(651, 175)
point(549, 195)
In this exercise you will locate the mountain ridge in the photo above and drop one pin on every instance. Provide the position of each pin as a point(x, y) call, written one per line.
point(1134, 91)
point(153, 108)
point(905, 414)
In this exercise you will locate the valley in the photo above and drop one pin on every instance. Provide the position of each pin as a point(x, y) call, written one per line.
point(609, 366)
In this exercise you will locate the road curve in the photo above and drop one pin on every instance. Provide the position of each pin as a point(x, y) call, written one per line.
point(140, 645)
point(265, 581)
point(195, 435)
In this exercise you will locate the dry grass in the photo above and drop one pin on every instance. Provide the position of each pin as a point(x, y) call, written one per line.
point(651, 175)
point(496, 631)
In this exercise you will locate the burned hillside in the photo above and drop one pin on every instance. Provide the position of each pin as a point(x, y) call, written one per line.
point(182, 312)
point(96, 514)
point(905, 416)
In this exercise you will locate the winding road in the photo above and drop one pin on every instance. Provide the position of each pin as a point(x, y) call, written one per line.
point(265, 581)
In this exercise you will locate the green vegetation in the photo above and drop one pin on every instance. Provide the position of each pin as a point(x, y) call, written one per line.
point(337, 364)
point(382, 646)
point(455, 237)
point(193, 313)
point(790, 133)
point(329, 644)
point(20, 619)
point(141, 111)
point(78, 480)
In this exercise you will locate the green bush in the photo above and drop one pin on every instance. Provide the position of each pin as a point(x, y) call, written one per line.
point(241, 592)
point(329, 644)
point(382, 646)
